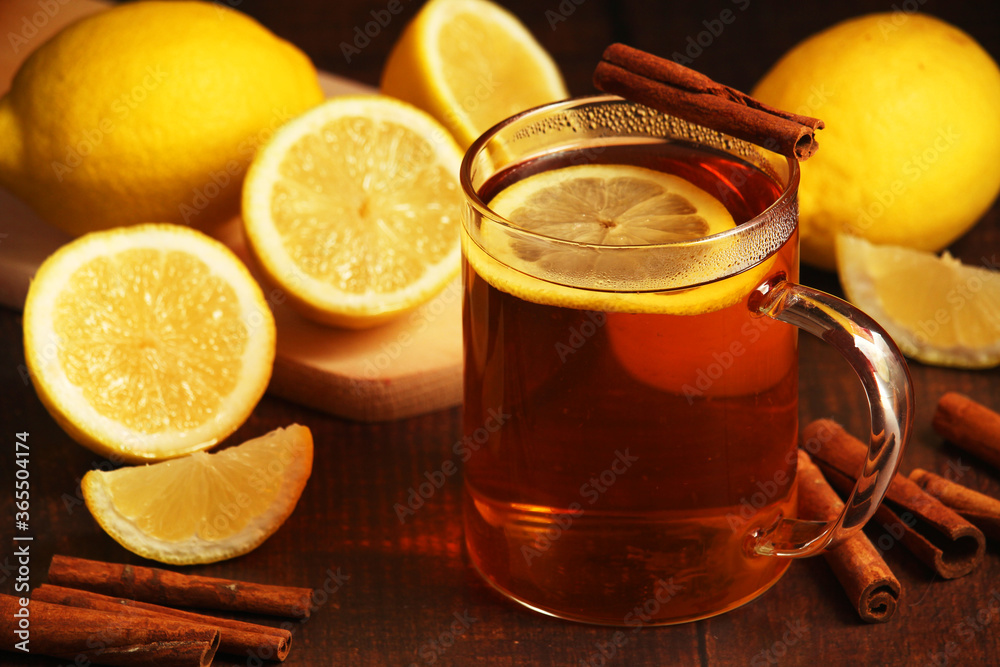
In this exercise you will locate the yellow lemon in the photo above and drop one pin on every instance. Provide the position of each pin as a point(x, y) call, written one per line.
point(909, 153)
point(150, 111)
point(204, 507)
point(147, 342)
point(470, 64)
point(938, 310)
point(353, 209)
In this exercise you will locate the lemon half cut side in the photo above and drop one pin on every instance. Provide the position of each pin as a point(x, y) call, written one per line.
point(147, 342)
point(470, 64)
point(353, 208)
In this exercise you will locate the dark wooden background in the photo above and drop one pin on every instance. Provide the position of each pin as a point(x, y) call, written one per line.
point(408, 581)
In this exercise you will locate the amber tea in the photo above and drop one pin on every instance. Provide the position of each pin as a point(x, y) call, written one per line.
point(636, 441)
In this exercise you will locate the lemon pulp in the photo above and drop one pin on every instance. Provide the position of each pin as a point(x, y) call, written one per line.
point(152, 338)
point(954, 322)
point(204, 507)
point(353, 210)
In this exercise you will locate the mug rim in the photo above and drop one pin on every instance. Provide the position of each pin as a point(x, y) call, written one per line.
point(751, 226)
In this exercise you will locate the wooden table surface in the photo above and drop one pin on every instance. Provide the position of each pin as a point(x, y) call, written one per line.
point(394, 592)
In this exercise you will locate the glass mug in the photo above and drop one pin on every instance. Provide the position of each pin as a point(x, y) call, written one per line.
point(636, 406)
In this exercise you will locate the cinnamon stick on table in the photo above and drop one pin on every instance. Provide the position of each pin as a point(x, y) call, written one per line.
point(970, 425)
point(980, 509)
point(677, 90)
point(237, 637)
point(164, 587)
point(88, 636)
point(857, 564)
point(934, 533)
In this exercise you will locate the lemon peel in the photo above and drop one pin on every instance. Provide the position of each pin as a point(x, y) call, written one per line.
point(147, 112)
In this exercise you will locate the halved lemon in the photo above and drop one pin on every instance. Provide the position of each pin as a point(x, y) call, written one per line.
point(600, 207)
point(938, 310)
point(352, 209)
point(470, 64)
point(147, 342)
point(204, 507)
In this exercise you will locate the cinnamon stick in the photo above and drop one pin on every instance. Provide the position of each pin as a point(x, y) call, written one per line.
point(677, 90)
point(980, 509)
point(149, 584)
point(865, 577)
point(934, 533)
point(236, 637)
point(970, 425)
point(88, 636)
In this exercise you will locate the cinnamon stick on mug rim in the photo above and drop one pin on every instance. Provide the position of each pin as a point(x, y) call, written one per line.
point(866, 579)
point(934, 533)
point(680, 91)
point(237, 637)
point(108, 638)
point(981, 510)
point(150, 584)
point(970, 425)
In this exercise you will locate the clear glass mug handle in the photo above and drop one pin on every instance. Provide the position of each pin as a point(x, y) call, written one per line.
point(886, 380)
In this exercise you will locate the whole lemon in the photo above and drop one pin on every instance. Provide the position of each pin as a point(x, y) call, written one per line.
point(150, 111)
point(910, 151)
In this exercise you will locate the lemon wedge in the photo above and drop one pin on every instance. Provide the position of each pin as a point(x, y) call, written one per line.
point(470, 64)
point(938, 310)
point(601, 207)
point(147, 342)
point(352, 209)
point(204, 507)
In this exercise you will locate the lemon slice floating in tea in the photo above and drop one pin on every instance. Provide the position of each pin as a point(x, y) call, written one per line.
point(612, 205)
point(954, 322)
point(601, 207)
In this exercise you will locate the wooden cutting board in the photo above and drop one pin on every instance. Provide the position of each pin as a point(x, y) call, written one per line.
point(404, 368)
